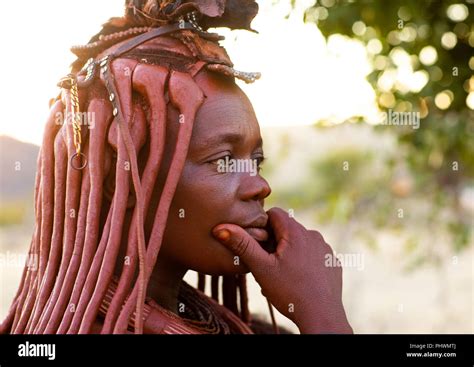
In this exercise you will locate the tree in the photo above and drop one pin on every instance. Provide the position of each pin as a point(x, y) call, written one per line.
point(421, 53)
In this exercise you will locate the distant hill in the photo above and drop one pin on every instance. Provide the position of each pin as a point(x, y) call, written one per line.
point(17, 169)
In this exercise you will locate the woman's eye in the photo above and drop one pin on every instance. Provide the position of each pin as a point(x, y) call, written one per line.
point(260, 160)
point(227, 164)
point(221, 160)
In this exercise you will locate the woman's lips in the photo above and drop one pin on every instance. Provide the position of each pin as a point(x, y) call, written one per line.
point(259, 234)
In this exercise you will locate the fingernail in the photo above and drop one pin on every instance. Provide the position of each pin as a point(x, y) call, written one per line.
point(222, 235)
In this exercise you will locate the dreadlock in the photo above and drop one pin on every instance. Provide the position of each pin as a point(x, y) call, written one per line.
point(88, 178)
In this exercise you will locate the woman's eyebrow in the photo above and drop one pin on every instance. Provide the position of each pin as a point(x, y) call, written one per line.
point(231, 138)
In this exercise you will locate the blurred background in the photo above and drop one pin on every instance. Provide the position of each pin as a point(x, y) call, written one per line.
point(366, 109)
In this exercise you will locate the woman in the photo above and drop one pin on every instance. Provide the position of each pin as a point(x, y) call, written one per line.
point(124, 207)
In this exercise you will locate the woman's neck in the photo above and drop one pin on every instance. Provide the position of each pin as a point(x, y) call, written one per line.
point(165, 283)
point(165, 280)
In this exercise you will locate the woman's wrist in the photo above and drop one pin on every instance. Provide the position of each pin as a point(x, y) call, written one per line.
point(332, 322)
point(324, 327)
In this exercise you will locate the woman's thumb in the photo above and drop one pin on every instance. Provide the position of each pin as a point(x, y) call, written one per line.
point(237, 240)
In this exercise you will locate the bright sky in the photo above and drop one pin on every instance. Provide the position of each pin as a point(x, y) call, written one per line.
point(304, 80)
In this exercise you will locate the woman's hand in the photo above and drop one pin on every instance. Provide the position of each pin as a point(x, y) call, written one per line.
point(294, 278)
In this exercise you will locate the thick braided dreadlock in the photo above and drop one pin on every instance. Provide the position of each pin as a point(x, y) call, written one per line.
point(136, 66)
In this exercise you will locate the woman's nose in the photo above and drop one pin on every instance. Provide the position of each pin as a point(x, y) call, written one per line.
point(255, 188)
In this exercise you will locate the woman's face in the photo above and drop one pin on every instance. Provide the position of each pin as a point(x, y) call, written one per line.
point(210, 192)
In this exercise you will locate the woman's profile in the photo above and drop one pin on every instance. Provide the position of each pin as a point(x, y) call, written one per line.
point(166, 180)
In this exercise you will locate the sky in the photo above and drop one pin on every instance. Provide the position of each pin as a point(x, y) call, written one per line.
point(304, 78)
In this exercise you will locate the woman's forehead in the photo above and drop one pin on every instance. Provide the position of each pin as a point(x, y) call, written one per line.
point(226, 113)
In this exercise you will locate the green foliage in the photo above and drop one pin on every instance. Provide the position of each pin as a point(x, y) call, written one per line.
point(336, 188)
point(446, 133)
point(13, 212)
point(437, 39)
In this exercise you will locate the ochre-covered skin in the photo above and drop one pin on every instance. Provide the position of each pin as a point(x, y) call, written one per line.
point(114, 240)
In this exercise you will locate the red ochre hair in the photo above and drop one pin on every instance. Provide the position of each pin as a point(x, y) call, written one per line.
point(127, 85)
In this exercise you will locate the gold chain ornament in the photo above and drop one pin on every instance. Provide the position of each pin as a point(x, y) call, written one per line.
point(70, 82)
point(76, 122)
